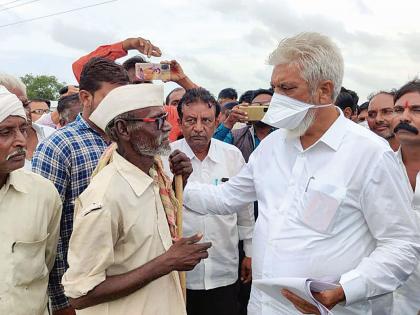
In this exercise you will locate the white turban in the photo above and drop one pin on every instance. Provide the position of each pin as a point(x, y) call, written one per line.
point(10, 105)
point(124, 99)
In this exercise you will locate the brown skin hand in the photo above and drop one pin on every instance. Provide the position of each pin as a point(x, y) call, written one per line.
point(183, 255)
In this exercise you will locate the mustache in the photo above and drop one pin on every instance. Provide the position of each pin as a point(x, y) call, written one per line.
point(407, 127)
point(21, 151)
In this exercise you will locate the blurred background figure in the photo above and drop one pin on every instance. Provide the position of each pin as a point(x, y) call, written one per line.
point(227, 95)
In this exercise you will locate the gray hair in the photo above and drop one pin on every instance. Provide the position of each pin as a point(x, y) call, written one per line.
point(110, 128)
point(318, 57)
point(12, 83)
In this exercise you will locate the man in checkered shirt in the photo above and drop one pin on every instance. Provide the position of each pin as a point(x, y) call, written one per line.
point(70, 155)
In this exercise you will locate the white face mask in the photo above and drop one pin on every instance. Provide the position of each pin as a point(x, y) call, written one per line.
point(286, 112)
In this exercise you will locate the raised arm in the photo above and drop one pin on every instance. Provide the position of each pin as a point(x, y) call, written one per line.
point(117, 50)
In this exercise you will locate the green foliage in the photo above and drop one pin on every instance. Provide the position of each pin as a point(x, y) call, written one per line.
point(42, 86)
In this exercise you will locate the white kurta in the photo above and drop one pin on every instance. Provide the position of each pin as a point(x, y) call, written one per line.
point(223, 231)
point(335, 210)
point(407, 298)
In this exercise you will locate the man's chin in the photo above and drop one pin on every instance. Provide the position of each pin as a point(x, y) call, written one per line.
point(164, 149)
point(14, 165)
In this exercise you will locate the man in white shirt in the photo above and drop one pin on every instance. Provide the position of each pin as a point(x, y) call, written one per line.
point(212, 285)
point(331, 204)
point(406, 125)
point(380, 114)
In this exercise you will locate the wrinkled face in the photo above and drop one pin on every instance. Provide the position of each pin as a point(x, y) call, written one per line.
point(12, 143)
point(406, 119)
point(287, 80)
point(379, 115)
point(147, 138)
point(175, 97)
point(38, 109)
point(198, 124)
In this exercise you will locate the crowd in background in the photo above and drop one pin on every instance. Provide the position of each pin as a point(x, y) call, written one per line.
point(322, 180)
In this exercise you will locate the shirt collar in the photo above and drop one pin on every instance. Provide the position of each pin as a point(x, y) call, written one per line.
point(335, 134)
point(16, 180)
point(212, 154)
point(332, 137)
point(135, 177)
point(82, 123)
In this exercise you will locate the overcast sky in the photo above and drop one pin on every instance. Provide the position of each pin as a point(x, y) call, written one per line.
point(220, 43)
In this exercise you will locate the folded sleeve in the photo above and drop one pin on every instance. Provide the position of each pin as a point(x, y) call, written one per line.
point(91, 249)
point(386, 206)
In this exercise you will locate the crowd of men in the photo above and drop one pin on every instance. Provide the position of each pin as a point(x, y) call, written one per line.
point(319, 188)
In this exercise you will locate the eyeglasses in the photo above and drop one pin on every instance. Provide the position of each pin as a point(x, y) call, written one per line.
point(385, 112)
point(40, 111)
point(160, 121)
point(413, 110)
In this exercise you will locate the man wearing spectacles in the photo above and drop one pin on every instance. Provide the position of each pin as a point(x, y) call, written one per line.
point(39, 107)
point(379, 116)
point(125, 217)
point(406, 125)
point(212, 286)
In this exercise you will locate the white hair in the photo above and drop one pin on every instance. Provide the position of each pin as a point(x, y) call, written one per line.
point(13, 84)
point(318, 57)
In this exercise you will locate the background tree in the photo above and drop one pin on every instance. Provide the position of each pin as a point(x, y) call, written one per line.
point(42, 86)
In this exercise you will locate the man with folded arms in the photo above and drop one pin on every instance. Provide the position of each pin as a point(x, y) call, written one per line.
point(121, 257)
point(30, 210)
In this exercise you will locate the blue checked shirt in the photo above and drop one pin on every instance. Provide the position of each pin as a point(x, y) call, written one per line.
point(67, 158)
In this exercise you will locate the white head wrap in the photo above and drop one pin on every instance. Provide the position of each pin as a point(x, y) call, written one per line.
point(10, 105)
point(124, 99)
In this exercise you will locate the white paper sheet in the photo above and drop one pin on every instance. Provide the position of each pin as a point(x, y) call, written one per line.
point(300, 286)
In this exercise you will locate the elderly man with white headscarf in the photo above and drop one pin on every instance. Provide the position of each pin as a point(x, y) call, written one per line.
point(30, 211)
point(122, 259)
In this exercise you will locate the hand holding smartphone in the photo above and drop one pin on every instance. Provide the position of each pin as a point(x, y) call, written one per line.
point(153, 71)
point(255, 112)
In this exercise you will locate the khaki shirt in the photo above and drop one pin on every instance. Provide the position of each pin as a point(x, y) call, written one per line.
point(30, 212)
point(120, 225)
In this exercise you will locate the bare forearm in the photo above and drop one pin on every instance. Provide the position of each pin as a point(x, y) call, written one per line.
point(187, 84)
point(115, 287)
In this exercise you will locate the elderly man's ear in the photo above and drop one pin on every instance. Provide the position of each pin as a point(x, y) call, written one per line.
point(122, 130)
point(325, 92)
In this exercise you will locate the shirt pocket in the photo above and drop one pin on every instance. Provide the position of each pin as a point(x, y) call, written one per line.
point(29, 261)
point(320, 206)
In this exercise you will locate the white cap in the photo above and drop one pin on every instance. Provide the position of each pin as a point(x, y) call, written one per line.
point(124, 99)
point(10, 105)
